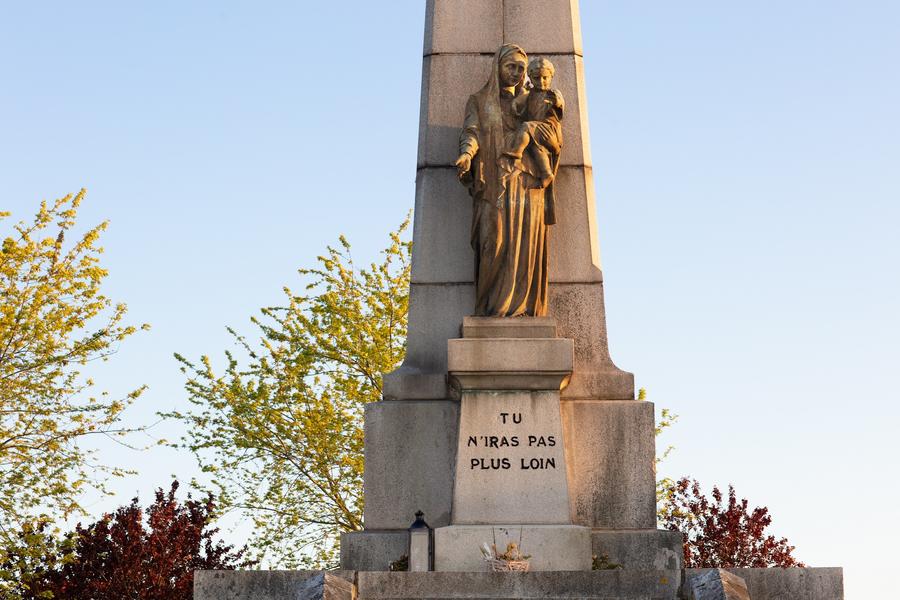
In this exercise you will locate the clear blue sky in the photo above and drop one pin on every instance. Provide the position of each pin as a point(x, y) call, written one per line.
point(746, 160)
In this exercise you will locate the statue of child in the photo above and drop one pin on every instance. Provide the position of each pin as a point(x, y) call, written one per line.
point(541, 110)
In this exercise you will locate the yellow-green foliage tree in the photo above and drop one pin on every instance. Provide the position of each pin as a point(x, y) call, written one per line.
point(279, 432)
point(53, 321)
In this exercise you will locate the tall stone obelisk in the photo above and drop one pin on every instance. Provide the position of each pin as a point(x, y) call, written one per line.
point(411, 436)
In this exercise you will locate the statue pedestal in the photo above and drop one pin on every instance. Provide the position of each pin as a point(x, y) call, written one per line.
point(511, 482)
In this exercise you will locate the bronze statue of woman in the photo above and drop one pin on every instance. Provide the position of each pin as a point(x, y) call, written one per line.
point(511, 209)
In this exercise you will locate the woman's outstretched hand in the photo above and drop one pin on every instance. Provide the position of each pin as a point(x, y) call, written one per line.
point(463, 164)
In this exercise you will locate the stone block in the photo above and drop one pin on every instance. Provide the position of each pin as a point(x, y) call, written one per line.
point(436, 312)
point(510, 354)
point(788, 584)
point(552, 547)
point(463, 26)
point(273, 585)
point(373, 550)
point(410, 451)
point(509, 363)
point(408, 383)
point(503, 327)
point(510, 465)
point(573, 248)
point(621, 584)
point(715, 584)
point(447, 82)
point(442, 224)
point(324, 586)
point(543, 26)
point(610, 456)
point(579, 311)
point(639, 548)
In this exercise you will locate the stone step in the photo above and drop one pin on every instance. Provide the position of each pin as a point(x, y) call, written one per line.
point(617, 584)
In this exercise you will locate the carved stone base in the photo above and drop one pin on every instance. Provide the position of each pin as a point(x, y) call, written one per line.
point(551, 547)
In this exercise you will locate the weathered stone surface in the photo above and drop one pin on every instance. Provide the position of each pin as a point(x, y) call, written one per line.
point(499, 327)
point(435, 314)
point(447, 82)
point(373, 550)
point(324, 586)
point(639, 548)
point(610, 453)
point(574, 253)
point(789, 584)
point(273, 585)
point(715, 584)
point(620, 584)
point(463, 26)
point(508, 471)
point(543, 26)
point(410, 449)
point(551, 547)
point(579, 310)
point(441, 225)
point(510, 354)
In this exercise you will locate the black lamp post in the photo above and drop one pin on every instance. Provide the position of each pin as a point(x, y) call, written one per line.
point(421, 546)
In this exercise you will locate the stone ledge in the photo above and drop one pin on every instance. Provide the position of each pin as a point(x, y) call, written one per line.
point(271, 585)
point(620, 584)
point(509, 355)
point(509, 327)
point(510, 363)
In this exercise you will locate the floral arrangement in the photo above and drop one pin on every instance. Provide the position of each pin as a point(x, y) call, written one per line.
point(510, 560)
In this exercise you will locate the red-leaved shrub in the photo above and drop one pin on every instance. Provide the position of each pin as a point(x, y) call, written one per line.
point(720, 532)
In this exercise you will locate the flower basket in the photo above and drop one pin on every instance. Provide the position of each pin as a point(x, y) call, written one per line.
point(498, 565)
point(512, 560)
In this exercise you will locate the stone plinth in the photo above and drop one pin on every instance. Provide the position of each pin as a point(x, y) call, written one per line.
point(551, 547)
point(510, 465)
point(511, 480)
point(496, 327)
point(510, 363)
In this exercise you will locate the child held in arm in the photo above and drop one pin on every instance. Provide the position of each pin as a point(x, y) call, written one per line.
point(540, 133)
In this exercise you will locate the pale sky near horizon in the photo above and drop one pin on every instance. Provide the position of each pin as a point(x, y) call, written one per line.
point(746, 169)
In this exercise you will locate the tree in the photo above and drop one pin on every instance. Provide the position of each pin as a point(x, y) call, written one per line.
point(124, 555)
point(667, 418)
point(53, 321)
point(722, 534)
point(280, 432)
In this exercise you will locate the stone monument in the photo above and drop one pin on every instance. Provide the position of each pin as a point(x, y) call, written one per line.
point(507, 317)
point(508, 421)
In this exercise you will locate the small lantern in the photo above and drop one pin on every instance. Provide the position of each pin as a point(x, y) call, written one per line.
point(421, 555)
